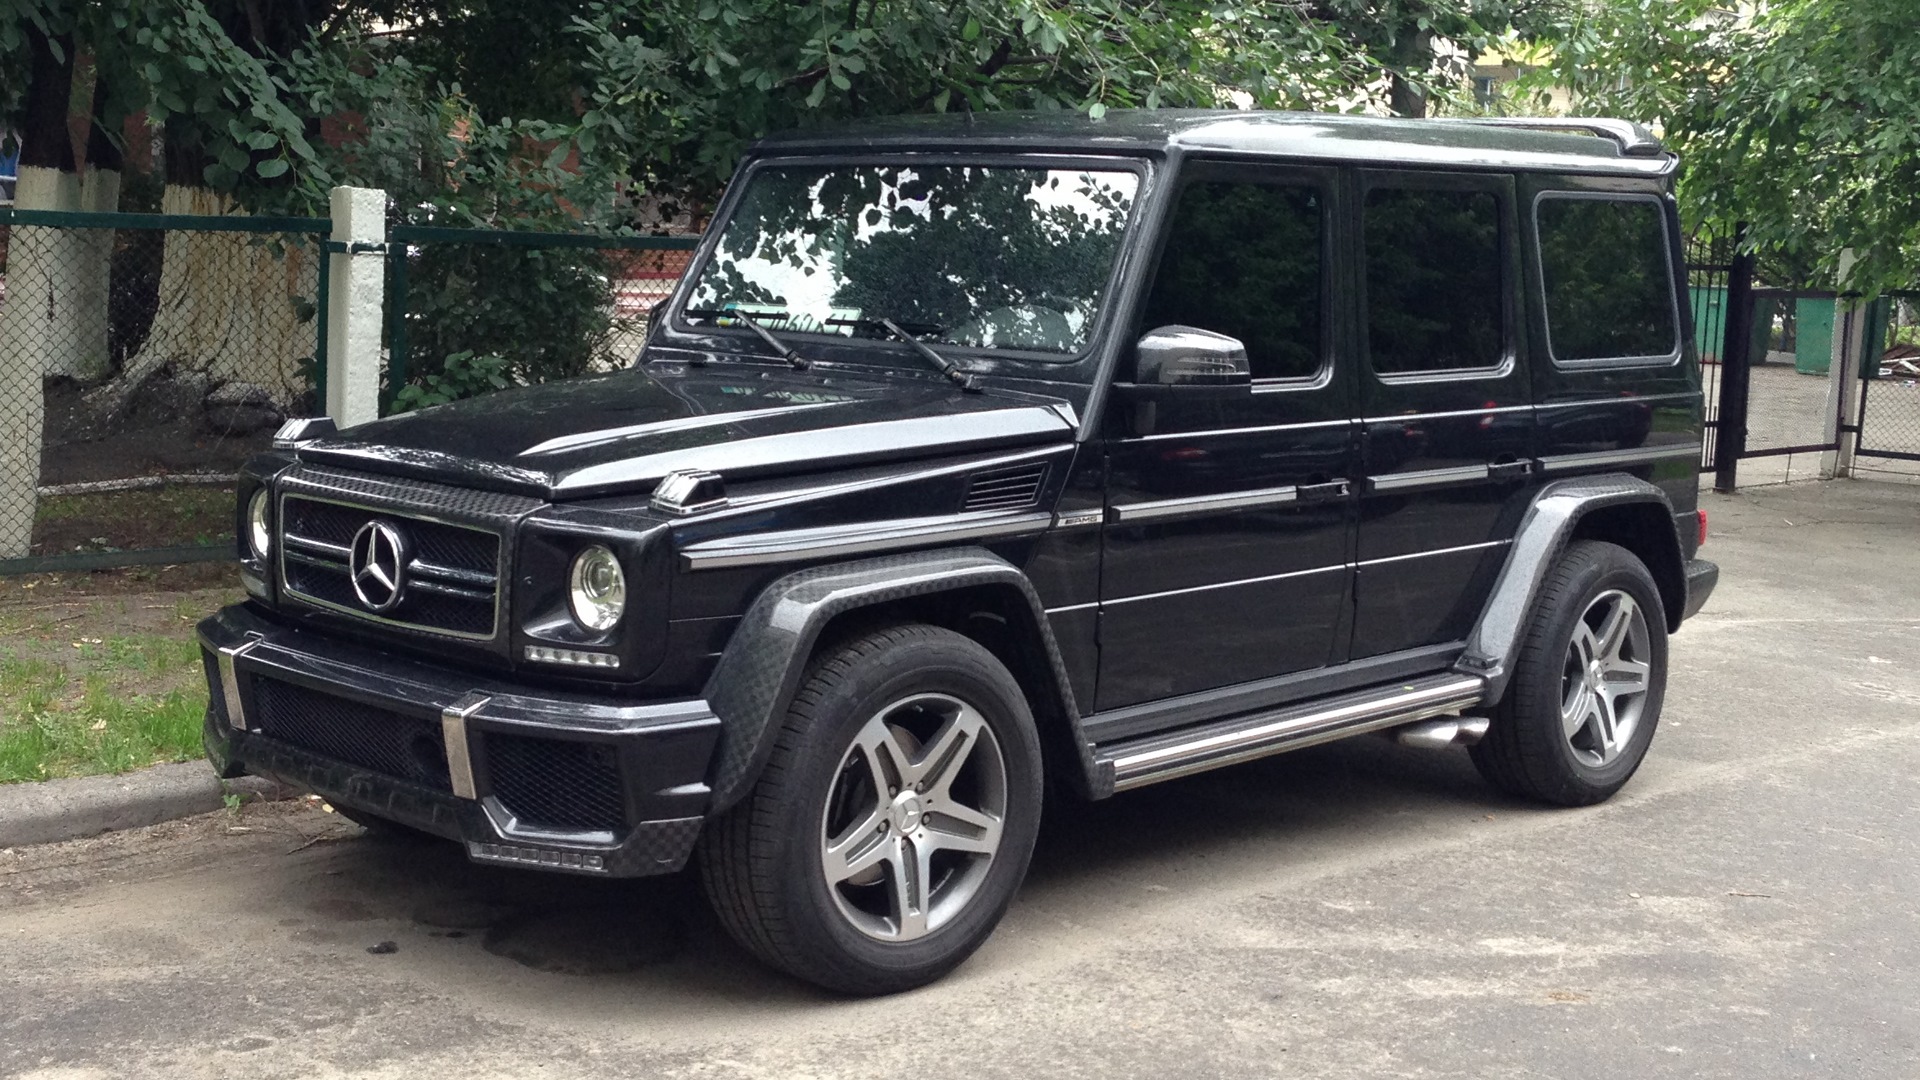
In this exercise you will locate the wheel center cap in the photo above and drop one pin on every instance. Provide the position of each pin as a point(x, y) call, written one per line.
point(1595, 675)
point(907, 811)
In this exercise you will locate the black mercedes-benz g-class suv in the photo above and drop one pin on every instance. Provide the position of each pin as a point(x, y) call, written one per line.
point(976, 454)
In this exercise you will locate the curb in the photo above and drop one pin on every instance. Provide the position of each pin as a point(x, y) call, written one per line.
point(50, 811)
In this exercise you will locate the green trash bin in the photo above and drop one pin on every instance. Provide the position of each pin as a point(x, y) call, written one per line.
point(1813, 336)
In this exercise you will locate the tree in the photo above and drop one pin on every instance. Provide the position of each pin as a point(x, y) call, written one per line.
point(1401, 38)
point(102, 61)
point(1799, 121)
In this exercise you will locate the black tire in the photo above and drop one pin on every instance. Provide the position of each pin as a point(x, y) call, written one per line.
point(1527, 750)
point(763, 862)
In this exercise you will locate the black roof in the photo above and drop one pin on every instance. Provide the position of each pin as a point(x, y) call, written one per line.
point(1563, 145)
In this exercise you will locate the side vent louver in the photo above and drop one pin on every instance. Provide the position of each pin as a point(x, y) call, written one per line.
point(1006, 489)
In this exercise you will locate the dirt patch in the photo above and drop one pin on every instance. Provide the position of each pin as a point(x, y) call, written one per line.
point(35, 589)
point(79, 448)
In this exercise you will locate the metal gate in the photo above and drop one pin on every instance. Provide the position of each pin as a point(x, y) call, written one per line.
point(1761, 402)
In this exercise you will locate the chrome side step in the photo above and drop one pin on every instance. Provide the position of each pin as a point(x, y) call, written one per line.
point(1138, 762)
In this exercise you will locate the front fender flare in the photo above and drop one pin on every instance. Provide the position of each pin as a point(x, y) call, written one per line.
point(765, 659)
point(1494, 645)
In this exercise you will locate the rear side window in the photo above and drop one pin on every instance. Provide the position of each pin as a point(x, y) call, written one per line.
point(1434, 286)
point(1609, 288)
point(1245, 259)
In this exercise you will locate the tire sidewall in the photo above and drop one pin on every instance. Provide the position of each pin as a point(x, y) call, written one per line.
point(938, 662)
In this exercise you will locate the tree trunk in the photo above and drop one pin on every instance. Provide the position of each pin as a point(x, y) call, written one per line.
point(230, 306)
point(37, 324)
point(1413, 53)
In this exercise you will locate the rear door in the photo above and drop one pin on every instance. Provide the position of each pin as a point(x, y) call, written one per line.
point(1447, 428)
point(1228, 519)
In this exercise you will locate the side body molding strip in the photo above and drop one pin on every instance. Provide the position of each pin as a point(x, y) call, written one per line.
point(1494, 644)
point(761, 668)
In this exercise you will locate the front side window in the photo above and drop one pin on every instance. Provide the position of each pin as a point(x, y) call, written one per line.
point(1434, 284)
point(992, 257)
point(1609, 289)
point(1245, 259)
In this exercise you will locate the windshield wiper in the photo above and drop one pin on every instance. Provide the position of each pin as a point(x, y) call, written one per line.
point(940, 363)
point(793, 359)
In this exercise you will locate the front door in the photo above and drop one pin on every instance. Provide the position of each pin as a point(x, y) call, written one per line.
point(1447, 434)
point(1228, 520)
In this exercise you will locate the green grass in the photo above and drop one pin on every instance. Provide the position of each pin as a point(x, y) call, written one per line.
point(109, 705)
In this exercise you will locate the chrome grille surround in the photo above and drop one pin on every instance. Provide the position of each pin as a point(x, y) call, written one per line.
point(456, 572)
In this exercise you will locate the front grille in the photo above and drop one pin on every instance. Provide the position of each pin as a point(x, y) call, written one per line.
point(557, 784)
point(1006, 489)
point(387, 742)
point(451, 581)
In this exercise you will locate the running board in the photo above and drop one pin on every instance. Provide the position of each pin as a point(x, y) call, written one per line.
point(1138, 762)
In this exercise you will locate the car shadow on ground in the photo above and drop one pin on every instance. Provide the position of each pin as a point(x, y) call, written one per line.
point(659, 931)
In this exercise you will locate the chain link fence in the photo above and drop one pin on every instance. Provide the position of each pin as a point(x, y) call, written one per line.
point(142, 359)
point(473, 310)
point(1890, 392)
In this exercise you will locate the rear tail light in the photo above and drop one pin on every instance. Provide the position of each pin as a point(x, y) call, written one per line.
point(1702, 515)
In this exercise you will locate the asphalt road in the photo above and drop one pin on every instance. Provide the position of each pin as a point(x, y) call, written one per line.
point(1745, 908)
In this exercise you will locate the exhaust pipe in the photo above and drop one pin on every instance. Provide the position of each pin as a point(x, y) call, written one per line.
point(1442, 732)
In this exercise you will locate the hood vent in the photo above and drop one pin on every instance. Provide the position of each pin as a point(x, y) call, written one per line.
point(1006, 489)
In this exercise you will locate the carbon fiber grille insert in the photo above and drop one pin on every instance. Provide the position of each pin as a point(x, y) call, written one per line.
point(387, 742)
point(451, 575)
point(216, 690)
point(557, 784)
point(1006, 489)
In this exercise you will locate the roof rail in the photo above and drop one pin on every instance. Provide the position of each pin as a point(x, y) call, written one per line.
point(1633, 139)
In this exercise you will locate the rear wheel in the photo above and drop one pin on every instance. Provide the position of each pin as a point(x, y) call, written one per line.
point(1586, 691)
point(895, 820)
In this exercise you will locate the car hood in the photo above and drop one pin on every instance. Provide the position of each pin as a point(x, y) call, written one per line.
point(622, 432)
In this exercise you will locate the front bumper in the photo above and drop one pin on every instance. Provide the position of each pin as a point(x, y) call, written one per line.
point(1702, 576)
point(559, 781)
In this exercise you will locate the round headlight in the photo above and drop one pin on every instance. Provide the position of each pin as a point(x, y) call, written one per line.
point(599, 589)
point(259, 535)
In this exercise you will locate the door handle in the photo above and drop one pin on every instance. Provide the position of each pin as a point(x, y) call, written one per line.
point(1509, 470)
point(1332, 489)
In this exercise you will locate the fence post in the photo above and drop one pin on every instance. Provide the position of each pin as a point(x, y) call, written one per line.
point(1736, 358)
point(1843, 376)
point(355, 299)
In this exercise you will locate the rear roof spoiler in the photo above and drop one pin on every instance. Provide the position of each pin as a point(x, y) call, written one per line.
point(1633, 139)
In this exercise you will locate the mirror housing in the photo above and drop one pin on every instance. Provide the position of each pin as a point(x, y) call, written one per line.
point(1187, 356)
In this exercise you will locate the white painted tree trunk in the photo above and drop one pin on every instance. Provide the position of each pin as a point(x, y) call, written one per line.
point(54, 322)
point(228, 307)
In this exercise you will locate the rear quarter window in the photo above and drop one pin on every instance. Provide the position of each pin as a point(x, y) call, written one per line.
point(1607, 279)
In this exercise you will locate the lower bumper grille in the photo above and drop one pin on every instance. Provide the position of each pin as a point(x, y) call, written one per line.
point(395, 744)
point(557, 784)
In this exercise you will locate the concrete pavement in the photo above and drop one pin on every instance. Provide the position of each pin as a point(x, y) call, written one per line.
point(1745, 908)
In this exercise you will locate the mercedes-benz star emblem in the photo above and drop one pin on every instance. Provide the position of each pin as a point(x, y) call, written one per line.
point(378, 561)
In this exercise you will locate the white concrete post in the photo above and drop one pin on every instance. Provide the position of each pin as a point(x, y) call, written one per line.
point(356, 305)
point(1843, 377)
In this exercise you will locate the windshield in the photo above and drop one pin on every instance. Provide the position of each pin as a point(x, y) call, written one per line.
point(995, 257)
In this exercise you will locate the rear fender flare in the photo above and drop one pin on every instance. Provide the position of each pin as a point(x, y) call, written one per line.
point(767, 656)
point(1549, 526)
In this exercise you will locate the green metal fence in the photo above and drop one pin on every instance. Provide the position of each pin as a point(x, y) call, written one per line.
point(142, 358)
point(474, 309)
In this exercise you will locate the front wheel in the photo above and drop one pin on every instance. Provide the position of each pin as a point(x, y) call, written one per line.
point(894, 821)
point(1586, 691)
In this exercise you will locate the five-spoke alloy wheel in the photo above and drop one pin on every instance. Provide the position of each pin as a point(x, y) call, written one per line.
point(1580, 709)
point(913, 820)
point(893, 823)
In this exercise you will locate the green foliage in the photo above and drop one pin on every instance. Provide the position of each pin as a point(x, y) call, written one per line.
point(1799, 121)
point(483, 318)
point(460, 375)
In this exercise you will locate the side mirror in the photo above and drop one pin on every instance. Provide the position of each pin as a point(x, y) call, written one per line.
point(1189, 356)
